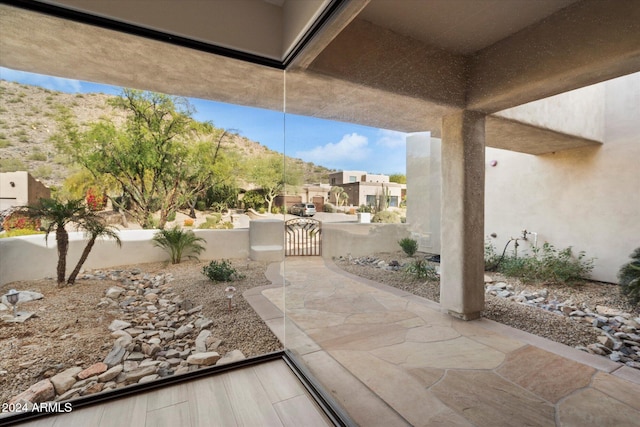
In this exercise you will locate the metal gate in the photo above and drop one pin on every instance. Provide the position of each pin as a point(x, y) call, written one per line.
point(303, 236)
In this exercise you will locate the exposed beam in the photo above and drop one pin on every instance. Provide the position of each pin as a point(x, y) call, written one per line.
point(512, 135)
point(585, 43)
point(369, 55)
point(330, 29)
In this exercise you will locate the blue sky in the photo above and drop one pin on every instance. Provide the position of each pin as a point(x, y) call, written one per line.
point(328, 143)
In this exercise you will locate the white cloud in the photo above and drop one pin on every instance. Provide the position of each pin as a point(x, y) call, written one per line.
point(48, 82)
point(352, 147)
point(391, 138)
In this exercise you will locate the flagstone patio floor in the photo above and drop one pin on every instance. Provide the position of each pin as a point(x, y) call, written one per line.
point(390, 358)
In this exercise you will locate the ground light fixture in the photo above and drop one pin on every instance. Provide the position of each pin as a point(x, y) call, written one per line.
point(230, 292)
point(12, 298)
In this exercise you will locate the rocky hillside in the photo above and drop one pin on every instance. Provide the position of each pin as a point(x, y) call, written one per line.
point(28, 120)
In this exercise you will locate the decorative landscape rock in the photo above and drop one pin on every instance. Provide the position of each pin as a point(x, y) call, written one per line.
point(41, 391)
point(63, 381)
point(620, 332)
point(206, 359)
point(153, 338)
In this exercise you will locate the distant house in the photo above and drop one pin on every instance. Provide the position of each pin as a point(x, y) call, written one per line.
point(20, 189)
point(365, 189)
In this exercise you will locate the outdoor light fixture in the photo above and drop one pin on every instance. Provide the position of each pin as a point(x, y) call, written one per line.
point(230, 292)
point(12, 298)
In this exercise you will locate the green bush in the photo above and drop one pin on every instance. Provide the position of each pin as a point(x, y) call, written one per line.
point(221, 271)
point(171, 216)
point(548, 265)
point(201, 205)
point(330, 208)
point(178, 242)
point(213, 222)
point(387, 217)
point(364, 209)
point(421, 269)
point(629, 276)
point(409, 246)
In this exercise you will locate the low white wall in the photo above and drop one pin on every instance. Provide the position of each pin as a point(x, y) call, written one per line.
point(30, 258)
point(361, 239)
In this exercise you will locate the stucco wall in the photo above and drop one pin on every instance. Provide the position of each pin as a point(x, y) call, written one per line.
point(26, 189)
point(361, 239)
point(17, 254)
point(586, 198)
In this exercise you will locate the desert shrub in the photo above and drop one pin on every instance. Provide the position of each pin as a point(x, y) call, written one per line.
point(37, 156)
point(221, 271)
point(253, 199)
point(171, 216)
point(629, 276)
point(387, 217)
point(330, 208)
point(421, 269)
point(491, 258)
point(188, 222)
point(227, 225)
point(548, 265)
point(20, 232)
point(409, 246)
point(19, 221)
point(364, 209)
point(212, 221)
point(201, 205)
point(96, 200)
point(178, 242)
point(12, 165)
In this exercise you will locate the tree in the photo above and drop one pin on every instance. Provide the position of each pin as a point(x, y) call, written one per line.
point(342, 198)
point(95, 227)
point(337, 193)
point(161, 158)
point(269, 174)
point(57, 215)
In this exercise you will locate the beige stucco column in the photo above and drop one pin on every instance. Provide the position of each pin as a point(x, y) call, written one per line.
point(462, 220)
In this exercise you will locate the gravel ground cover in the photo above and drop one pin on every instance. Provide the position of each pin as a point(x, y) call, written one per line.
point(536, 321)
point(71, 328)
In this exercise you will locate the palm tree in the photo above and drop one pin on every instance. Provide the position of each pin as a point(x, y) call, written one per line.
point(96, 227)
point(176, 242)
point(57, 215)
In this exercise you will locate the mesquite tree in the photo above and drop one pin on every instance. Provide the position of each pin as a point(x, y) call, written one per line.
point(160, 157)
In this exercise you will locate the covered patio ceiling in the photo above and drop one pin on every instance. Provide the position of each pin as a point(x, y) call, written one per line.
point(399, 65)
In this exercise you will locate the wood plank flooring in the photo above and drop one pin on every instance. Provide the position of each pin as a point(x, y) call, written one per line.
point(268, 394)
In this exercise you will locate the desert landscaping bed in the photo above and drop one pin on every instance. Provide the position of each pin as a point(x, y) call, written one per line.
point(71, 328)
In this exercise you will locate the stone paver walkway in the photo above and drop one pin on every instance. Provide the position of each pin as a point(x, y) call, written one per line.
point(390, 358)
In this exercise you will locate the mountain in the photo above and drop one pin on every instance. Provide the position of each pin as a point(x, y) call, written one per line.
point(28, 120)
